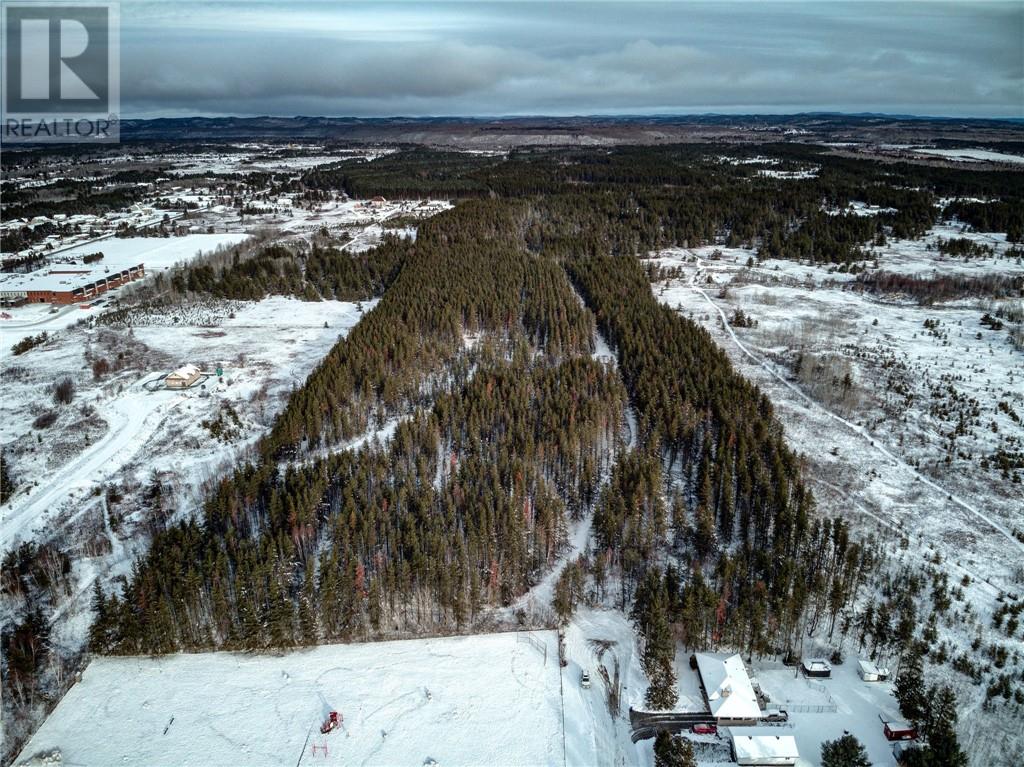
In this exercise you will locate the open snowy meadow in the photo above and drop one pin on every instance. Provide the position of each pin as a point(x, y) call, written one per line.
point(156, 253)
point(490, 699)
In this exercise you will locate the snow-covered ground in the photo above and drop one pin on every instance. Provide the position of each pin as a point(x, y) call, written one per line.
point(876, 451)
point(860, 708)
point(155, 253)
point(34, 319)
point(971, 155)
point(873, 453)
point(264, 348)
point(87, 480)
point(260, 158)
point(597, 639)
point(789, 174)
point(118, 436)
point(486, 699)
point(359, 218)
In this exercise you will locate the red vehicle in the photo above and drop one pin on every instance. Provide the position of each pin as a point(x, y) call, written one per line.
point(332, 722)
point(704, 729)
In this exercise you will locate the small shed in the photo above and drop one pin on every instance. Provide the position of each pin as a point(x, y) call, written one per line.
point(899, 731)
point(764, 750)
point(816, 667)
point(183, 377)
point(869, 672)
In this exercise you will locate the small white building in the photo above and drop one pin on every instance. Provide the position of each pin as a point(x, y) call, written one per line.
point(869, 672)
point(183, 377)
point(727, 688)
point(759, 749)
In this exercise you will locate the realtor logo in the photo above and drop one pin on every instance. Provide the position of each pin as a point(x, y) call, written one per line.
point(61, 79)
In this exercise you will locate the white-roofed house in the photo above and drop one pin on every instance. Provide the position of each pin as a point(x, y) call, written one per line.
point(726, 686)
point(764, 749)
point(183, 377)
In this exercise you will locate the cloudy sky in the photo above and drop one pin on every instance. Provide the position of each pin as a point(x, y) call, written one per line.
point(511, 58)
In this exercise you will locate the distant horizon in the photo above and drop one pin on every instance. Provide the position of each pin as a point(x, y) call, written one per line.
point(573, 116)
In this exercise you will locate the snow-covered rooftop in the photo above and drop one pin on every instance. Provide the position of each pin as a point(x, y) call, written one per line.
point(730, 694)
point(764, 746)
point(62, 277)
point(816, 664)
point(870, 668)
point(185, 371)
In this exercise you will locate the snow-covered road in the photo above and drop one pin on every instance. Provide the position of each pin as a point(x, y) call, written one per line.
point(132, 418)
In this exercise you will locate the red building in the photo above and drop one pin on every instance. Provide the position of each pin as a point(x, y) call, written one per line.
point(899, 731)
point(65, 285)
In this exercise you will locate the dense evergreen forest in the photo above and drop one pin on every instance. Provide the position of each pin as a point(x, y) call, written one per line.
point(319, 273)
point(505, 429)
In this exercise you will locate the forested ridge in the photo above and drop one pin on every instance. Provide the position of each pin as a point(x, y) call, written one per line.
point(464, 275)
point(468, 503)
point(479, 356)
point(516, 429)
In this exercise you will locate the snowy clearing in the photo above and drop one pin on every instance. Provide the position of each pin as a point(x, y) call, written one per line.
point(488, 699)
point(155, 253)
point(158, 430)
point(879, 452)
point(972, 155)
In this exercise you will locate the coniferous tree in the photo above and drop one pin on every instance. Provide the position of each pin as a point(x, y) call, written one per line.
point(910, 689)
point(673, 751)
point(943, 748)
point(846, 751)
point(659, 644)
point(98, 631)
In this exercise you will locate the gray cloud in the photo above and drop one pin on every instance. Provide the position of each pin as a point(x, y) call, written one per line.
point(496, 58)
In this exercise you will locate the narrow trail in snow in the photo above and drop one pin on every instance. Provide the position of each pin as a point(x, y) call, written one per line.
point(134, 419)
point(859, 430)
point(580, 533)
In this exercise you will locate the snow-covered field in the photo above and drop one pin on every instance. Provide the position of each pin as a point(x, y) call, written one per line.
point(155, 253)
point(358, 218)
point(972, 155)
point(486, 699)
point(483, 699)
point(259, 158)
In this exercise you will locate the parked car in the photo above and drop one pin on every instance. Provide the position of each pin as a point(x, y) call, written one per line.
point(777, 716)
point(704, 729)
point(585, 680)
